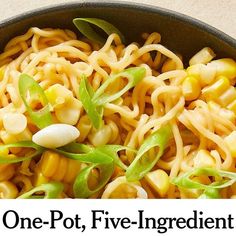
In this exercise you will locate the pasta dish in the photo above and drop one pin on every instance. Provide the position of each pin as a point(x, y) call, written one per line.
point(82, 116)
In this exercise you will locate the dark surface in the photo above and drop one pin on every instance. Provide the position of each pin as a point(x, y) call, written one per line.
point(180, 33)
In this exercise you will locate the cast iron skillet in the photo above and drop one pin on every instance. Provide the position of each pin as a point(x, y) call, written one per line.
point(179, 33)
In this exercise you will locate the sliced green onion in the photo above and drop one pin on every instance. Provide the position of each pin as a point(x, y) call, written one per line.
point(210, 194)
point(112, 150)
point(103, 158)
point(185, 180)
point(81, 187)
point(28, 85)
point(93, 102)
point(94, 156)
point(77, 148)
point(24, 144)
point(52, 190)
point(134, 76)
point(83, 25)
point(142, 164)
point(85, 94)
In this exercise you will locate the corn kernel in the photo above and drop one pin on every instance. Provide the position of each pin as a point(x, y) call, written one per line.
point(203, 159)
point(100, 137)
point(213, 91)
point(14, 123)
point(8, 190)
point(159, 180)
point(73, 169)
point(69, 113)
point(58, 95)
point(232, 106)
point(195, 70)
point(227, 97)
point(10, 138)
point(230, 141)
point(7, 138)
point(191, 88)
point(61, 169)
point(207, 74)
point(225, 67)
point(49, 163)
point(40, 179)
point(202, 57)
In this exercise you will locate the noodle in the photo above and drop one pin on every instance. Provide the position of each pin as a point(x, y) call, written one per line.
point(201, 126)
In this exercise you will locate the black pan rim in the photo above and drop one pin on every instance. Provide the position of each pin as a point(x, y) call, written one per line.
point(123, 5)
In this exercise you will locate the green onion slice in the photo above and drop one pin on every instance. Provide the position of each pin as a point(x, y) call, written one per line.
point(24, 144)
point(28, 86)
point(83, 25)
point(142, 164)
point(185, 180)
point(52, 190)
point(93, 102)
point(81, 186)
point(85, 94)
point(134, 76)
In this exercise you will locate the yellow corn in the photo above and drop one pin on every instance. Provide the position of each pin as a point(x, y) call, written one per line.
point(101, 136)
point(230, 141)
point(124, 191)
point(49, 163)
point(205, 74)
point(191, 88)
point(67, 107)
point(8, 190)
point(232, 106)
point(225, 113)
point(73, 169)
point(40, 179)
point(203, 159)
point(61, 169)
point(159, 180)
point(202, 57)
point(195, 71)
point(58, 95)
point(70, 112)
point(214, 91)
point(9, 138)
point(14, 123)
point(56, 167)
point(225, 67)
point(227, 97)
